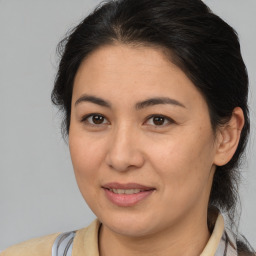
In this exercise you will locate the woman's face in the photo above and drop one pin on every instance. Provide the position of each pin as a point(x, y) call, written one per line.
point(141, 141)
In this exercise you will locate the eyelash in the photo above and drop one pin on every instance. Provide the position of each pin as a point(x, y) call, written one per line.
point(168, 119)
point(86, 117)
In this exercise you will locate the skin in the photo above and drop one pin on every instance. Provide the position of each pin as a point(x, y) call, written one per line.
point(176, 157)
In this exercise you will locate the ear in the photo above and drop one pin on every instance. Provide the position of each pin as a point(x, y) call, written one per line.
point(228, 137)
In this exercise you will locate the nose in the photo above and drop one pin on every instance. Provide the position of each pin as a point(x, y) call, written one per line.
point(124, 152)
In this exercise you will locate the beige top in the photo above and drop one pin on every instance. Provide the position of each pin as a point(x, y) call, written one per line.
point(86, 243)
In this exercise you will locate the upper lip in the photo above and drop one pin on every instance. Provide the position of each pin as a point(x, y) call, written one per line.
point(116, 185)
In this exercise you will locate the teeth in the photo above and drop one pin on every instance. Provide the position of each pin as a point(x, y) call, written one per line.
point(125, 191)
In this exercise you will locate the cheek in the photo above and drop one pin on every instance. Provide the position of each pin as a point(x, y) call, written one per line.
point(184, 150)
point(86, 158)
point(184, 162)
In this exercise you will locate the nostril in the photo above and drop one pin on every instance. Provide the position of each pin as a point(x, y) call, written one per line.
point(124, 161)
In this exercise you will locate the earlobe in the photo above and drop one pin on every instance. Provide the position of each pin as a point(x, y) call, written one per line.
point(228, 137)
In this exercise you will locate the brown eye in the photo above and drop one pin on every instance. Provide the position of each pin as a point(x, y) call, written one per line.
point(94, 119)
point(158, 120)
point(97, 119)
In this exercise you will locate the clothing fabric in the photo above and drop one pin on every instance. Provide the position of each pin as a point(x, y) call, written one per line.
point(84, 242)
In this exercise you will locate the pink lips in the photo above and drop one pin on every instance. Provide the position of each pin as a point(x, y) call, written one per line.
point(126, 200)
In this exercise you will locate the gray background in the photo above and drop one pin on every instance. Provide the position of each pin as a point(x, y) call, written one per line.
point(38, 192)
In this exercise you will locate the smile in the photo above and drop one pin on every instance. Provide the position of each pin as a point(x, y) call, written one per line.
point(126, 191)
point(127, 195)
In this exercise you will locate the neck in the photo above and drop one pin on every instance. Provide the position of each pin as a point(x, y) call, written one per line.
point(187, 238)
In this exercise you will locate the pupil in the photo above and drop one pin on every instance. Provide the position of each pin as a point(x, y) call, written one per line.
point(158, 120)
point(98, 119)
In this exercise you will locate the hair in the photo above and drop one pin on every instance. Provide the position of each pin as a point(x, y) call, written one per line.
point(199, 42)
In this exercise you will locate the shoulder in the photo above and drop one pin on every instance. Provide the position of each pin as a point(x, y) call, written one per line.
point(85, 239)
point(37, 247)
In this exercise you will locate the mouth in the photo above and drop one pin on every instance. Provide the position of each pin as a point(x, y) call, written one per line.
point(125, 195)
point(126, 191)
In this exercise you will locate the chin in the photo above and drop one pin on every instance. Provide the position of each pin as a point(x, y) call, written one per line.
point(133, 225)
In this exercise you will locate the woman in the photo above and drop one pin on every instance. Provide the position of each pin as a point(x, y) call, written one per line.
point(154, 95)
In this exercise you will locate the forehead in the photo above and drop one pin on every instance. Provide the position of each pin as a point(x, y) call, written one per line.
point(135, 72)
point(123, 57)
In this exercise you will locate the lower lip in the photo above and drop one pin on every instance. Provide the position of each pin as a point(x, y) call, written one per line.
point(126, 200)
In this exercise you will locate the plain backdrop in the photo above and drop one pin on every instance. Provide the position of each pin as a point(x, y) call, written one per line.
point(38, 192)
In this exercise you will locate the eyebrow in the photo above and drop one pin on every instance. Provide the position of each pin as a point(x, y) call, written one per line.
point(93, 99)
point(138, 106)
point(158, 101)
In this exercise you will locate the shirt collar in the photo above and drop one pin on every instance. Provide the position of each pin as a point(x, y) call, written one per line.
point(221, 242)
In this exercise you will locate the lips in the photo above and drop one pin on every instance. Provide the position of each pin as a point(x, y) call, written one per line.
point(125, 195)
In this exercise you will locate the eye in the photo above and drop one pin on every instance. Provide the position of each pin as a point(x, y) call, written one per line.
point(159, 120)
point(94, 119)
